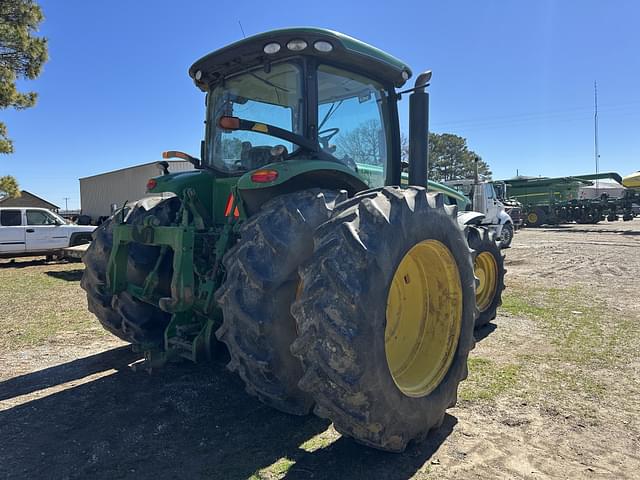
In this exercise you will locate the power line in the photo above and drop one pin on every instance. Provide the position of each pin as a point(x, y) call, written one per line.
point(577, 113)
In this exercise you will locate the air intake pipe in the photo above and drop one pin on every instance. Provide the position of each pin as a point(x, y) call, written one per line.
point(419, 131)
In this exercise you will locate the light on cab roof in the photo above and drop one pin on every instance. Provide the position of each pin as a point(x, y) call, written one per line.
point(296, 45)
point(322, 46)
point(271, 48)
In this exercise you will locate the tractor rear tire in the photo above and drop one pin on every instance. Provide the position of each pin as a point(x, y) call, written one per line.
point(391, 264)
point(260, 286)
point(123, 315)
point(489, 269)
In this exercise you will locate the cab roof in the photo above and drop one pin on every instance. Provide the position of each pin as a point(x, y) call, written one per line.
point(249, 52)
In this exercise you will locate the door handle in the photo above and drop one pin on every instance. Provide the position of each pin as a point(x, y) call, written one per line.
point(30, 230)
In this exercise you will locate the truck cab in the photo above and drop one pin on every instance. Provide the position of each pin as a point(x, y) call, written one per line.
point(26, 231)
point(485, 200)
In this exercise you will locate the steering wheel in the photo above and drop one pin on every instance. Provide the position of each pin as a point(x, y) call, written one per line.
point(329, 134)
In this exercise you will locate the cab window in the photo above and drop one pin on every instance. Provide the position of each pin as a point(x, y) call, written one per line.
point(38, 217)
point(489, 191)
point(10, 218)
point(274, 98)
point(351, 122)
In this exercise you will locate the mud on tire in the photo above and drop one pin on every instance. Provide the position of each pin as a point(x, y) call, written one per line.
point(261, 283)
point(341, 315)
point(123, 315)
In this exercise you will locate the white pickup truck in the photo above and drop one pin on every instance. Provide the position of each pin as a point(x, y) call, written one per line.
point(37, 231)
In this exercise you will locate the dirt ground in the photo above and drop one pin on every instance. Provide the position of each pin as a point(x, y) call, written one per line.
point(553, 389)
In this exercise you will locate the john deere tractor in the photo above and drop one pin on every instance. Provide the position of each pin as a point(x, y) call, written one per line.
point(337, 282)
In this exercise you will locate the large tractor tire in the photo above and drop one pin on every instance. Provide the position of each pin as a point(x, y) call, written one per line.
point(260, 286)
point(123, 315)
point(489, 269)
point(386, 316)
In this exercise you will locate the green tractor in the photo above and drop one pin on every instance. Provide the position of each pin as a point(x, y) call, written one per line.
point(337, 282)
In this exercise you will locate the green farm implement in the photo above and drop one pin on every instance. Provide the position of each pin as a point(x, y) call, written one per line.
point(337, 282)
point(562, 200)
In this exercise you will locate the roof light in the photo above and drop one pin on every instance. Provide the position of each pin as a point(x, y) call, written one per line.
point(322, 46)
point(264, 176)
point(271, 48)
point(405, 75)
point(296, 45)
point(151, 184)
point(198, 75)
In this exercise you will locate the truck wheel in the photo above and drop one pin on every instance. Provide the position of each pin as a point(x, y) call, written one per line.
point(489, 270)
point(386, 316)
point(123, 315)
point(506, 235)
point(261, 283)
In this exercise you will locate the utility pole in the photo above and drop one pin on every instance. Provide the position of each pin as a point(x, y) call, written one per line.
point(66, 203)
point(595, 132)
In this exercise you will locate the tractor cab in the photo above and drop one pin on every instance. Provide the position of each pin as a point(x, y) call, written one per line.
point(302, 94)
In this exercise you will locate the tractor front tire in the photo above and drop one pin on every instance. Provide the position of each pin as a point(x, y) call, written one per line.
point(260, 286)
point(386, 316)
point(489, 269)
point(123, 315)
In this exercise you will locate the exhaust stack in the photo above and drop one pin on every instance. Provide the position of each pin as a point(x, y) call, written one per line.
point(419, 131)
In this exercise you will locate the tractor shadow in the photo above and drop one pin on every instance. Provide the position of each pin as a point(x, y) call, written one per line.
point(67, 275)
point(184, 421)
point(484, 331)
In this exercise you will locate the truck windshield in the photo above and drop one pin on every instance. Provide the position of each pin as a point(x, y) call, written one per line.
point(275, 98)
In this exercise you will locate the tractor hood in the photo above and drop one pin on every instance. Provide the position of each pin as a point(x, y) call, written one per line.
point(327, 45)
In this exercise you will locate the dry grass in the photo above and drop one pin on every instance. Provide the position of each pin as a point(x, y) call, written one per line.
point(42, 303)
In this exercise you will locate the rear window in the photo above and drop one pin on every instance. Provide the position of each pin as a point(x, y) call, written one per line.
point(10, 218)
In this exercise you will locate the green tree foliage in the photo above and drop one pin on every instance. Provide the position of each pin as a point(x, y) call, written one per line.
point(451, 159)
point(9, 186)
point(22, 55)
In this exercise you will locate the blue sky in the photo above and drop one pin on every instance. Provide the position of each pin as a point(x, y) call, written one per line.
point(513, 77)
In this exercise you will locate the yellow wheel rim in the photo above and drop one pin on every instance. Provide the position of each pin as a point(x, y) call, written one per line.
point(486, 269)
point(424, 318)
point(532, 217)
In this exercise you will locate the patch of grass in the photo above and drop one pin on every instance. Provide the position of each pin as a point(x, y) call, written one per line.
point(488, 379)
point(322, 440)
point(580, 327)
point(39, 304)
point(276, 470)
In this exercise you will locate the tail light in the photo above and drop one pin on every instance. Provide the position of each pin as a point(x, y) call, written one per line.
point(264, 176)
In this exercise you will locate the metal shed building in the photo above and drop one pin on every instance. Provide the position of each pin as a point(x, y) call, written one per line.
point(99, 192)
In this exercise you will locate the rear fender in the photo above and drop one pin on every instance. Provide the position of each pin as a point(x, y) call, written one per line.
point(296, 175)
